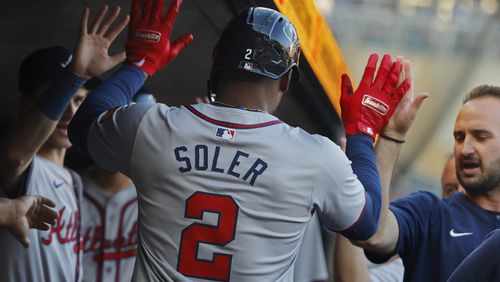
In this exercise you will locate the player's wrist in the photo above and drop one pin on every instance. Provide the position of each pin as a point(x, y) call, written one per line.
point(79, 71)
point(360, 128)
point(136, 69)
point(394, 134)
point(54, 101)
point(391, 139)
point(143, 63)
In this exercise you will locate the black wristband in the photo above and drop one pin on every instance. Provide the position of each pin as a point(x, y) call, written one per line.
point(391, 139)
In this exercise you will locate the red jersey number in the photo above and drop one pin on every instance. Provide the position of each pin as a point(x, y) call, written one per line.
point(220, 266)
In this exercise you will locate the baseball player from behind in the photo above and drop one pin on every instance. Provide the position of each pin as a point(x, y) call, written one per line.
point(216, 206)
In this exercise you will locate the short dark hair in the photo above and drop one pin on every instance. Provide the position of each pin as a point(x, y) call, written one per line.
point(482, 91)
point(222, 78)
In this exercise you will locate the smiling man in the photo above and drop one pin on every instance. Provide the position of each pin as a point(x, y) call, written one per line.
point(434, 236)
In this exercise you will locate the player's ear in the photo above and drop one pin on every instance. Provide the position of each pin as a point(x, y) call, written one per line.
point(285, 81)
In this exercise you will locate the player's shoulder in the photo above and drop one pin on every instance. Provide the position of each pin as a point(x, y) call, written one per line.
point(422, 204)
point(132, 115)
point(421, 199)
point(300, 135)
point(40, 164)
point(162, 110)
point(459, 203)
point(316, 145)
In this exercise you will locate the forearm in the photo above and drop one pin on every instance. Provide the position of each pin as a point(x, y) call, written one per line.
point(385, 239)
point(20, 145)
point(387, 154)
point(116, 91)
point(349, 262)
point(360, 152)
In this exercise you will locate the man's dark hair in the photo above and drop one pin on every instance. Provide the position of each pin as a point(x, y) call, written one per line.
point(224, 77)
point(482, 91)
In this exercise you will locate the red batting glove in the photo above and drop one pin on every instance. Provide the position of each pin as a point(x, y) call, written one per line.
point(148, 45)
point(370, 107)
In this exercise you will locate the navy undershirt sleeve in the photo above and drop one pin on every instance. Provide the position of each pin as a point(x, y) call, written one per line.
point(360, 151)
point(114, 92)
point(54, 101)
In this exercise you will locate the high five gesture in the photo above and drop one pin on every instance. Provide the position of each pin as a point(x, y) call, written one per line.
point(148, 45)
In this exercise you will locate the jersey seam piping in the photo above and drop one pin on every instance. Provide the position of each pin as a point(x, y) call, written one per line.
point(194, 111)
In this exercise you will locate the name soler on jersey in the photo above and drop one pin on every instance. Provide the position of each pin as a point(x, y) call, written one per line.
point(206, 158)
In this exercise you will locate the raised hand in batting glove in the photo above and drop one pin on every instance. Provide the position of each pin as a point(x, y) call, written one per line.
point(148, 46)
point(370, 107)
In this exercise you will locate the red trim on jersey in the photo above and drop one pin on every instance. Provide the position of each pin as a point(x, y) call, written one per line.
point(359, 218)
point(119, 255)
point(102, 212)
point(230, 124)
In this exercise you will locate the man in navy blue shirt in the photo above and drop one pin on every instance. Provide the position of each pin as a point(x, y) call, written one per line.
point(432, 235)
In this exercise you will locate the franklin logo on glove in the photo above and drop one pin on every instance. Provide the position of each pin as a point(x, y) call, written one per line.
point(148, 35)
point(148, 45)
point(375, 104)
point(379, 93)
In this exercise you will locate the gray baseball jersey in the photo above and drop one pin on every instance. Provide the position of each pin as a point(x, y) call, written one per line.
point(311, 262)
point(109, 228)
point(224, 193)
point(53, 255)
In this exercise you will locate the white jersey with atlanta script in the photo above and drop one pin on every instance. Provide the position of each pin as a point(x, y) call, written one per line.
point(52, 255)
point(224, 193)
point(109, 230)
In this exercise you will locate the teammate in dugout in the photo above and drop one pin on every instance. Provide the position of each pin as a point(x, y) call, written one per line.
point(433, 236)
point(235, 207)
point(109, 220)
point(350, 263)
point(32, 153)
point(109, 226)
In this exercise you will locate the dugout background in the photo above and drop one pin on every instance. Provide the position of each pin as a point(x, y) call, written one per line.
point(453, 44)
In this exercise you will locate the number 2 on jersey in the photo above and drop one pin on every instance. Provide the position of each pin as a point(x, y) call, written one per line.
point(220, 266)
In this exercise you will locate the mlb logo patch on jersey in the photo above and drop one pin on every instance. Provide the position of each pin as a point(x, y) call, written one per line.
point(225, 133)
